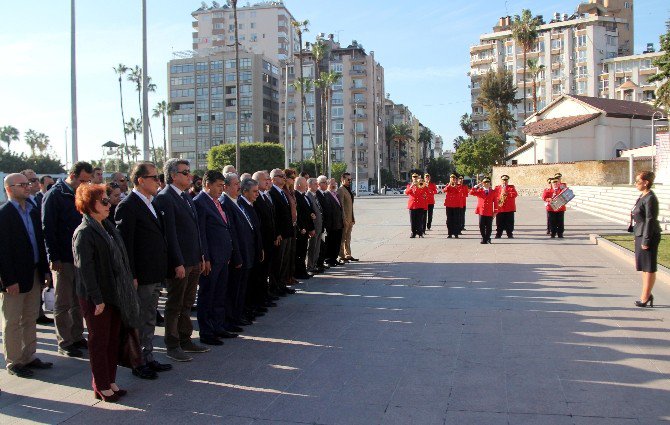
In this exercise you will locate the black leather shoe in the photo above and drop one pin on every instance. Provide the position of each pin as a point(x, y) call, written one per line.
point(160, 321)
point(289, 290)
point(82, 344)
point(356, 259)
point(449, 237)
point(303, 276)
point(233, 328)
point(70, 351)
point(225, 334)
point(244, 322)
point(159, 367)
point(39, 364)
point(44, 320)
point(498, 236)
point(456, 236)
point(20, 371)
point(211, 341)
point(144, 372)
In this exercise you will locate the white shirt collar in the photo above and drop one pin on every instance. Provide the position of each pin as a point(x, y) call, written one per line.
point(245, 200)
point(176, 189)
point(147, 200)
point(277, 187)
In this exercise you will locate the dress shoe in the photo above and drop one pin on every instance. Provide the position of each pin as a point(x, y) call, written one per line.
point(510, 236)
point(82, 344)
point(350, 258)
point(159, 367)
point(456, 236)
point(449, 237)
point(20, 371)
point(44, 320)
point(70, 351)
point(560, 236)
point(39, 364)
point(106, 398)
point(211, 340)
point(244, 322)
point(160, 320)
point(333, 264)
point(498, 236)
point(233, 328)
point(178, 354)
point(489, 241)
point(120, 392)
point(483, 242)
point(321, 270)
point(225, 334)
point(289, 290)
point(553, 236)
point(343, 260)
point(650, 302)
point(144, 372)
point(192, 347)
point(303, 276)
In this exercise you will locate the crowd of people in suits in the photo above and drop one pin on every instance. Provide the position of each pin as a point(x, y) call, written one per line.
point(235, 243)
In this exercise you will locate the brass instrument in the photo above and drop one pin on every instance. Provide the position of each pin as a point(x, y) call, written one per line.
point(421, 184)
point(503, 197)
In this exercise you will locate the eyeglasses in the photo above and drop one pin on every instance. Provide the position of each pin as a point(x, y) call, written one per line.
point(84, 181)
point(122, 180)
point(23, 185)
point(114, 185)
point(105, 201)
point(184, 172)
point(281, 176)
point(154, 177)
point(34, 180)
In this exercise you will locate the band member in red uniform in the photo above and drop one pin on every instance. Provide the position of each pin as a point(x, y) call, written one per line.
point(414, 206)
point(561, 185)
point(506, 207)
point(452, 202)
point(423, 205)
point(464, 200)
point(431, 191)
point(556, 217)
point(547, 203)
point(487, 208)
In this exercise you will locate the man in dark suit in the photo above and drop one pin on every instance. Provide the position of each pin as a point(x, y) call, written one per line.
point(314, 243)
point(270, 239)
point(305, 227)
point(284, 227)
point(23, 266)
point(185, 259)
point(220, 250)
point(144, 237)
point(247, 199)
point(336, 217)
point(324, 201)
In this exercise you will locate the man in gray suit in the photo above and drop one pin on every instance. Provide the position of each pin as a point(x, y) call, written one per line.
point(314, 243)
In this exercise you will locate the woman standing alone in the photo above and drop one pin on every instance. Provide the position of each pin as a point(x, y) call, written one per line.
point(647, 233)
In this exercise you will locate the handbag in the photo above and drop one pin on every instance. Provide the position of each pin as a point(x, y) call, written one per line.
point(130, 352)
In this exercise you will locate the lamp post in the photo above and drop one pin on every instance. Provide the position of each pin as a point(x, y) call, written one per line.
point(286, 154)
point(356, 146)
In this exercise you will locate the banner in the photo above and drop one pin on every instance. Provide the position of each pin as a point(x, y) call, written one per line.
point(662, 163)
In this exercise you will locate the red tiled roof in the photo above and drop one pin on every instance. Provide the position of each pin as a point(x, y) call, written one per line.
point(618, 108)
point(554, 125)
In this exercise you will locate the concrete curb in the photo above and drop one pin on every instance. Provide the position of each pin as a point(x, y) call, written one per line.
point(662, 274)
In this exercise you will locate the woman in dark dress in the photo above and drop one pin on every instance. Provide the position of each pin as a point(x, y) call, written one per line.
point(647, 235)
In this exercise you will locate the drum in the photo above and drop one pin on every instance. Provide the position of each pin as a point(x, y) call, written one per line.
point(562, 199)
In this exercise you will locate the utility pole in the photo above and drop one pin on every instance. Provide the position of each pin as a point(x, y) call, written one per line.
point(146, 154)
point(237, 90)
point(286, 145)
point(73, 82)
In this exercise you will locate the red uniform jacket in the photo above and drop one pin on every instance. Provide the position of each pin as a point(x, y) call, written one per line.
point(453, 196)
point(548, 194)
point(431, 191)
point(423, 197)
point(486, 203)
point(464, 194)
point(415, 194)
point(510, 202)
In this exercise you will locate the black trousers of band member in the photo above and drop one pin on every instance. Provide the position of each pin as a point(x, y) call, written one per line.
point(485, 227)
point(556, 222)
point(416, 221)
point(505, 223)
point(428, 217)
point(453, 221)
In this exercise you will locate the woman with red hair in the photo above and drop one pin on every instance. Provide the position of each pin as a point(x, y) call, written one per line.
point(104, 285)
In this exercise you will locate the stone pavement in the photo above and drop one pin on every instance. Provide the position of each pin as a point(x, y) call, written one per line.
point(422, 331)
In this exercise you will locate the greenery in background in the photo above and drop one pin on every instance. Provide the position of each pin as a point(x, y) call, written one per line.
point(308, 166)
point(475, 157)
point(524, 32)
point(440, 169)
point(663, 64)
point(628, 241)
point(498, 96)
point(253, 157)
point(11, 162)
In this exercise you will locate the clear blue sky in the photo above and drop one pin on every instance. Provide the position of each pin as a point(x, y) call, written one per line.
point(423, 46)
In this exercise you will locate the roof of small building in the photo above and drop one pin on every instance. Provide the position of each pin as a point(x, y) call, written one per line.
point(555, 125)
point(628, 85)
point(618, 108)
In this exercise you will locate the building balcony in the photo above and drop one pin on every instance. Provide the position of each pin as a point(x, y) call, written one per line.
point(355, 72)
point(475, 61)
point(358, 116)
point(556, 51)
point(354, 88)
point(358, 102)
point(482, 47)
point(555, 65)
point(649, 71)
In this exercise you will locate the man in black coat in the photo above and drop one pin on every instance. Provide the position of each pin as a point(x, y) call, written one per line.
point(185, 259)
point(246, 200)
point(59, 220)
point(270, 238)
point(335, 223)
point(23, 266)
point(221, 250)
point(305, 227)
point(283, 226)
point(144, 237)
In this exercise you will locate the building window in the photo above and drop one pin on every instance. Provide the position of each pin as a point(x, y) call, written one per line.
point(201, 66)
point(337, 112)
point(581, 40)
point(338, 127)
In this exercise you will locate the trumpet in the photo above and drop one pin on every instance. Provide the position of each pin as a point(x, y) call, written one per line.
point(503, 198)
point(421, 184)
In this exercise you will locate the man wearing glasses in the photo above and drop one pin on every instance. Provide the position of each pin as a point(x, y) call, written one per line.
point(60, 218)
point(185, 259)
point(284, 226)
point(122, 181)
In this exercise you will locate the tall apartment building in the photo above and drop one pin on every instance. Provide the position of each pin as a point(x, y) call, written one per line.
point(202, 91)
point(355, 109)
point(572, 49)
point(438, 146)
point(263, 27)
point(401, 158)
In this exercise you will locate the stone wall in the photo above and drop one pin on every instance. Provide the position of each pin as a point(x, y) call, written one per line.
point(533, 177)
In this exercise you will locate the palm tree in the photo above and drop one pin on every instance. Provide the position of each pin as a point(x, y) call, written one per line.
point(325, 84)
point(135, 77)
point(425, 138)
point(498, 96)
point(36, 141)
point(162, 110)
point(466, 124)
point(401, 133)
point(134, 127)
point(9, 134)
point(306, 85)
point(524, 32)
point(120, 71)
point(535, 70)
point(300, 28)
point(237, 88)
point(319, 51)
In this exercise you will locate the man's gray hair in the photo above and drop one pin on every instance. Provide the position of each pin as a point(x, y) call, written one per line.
point(229, 169)
point(229, 178)
point(245, 176)
point(310, 181)
point(259, 174)
point(248, 184)
point(275, 172)
point(298, 181)
point(322, 179)
point(172, 167)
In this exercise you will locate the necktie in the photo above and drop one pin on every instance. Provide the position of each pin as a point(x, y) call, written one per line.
point(267, 198)
point(188, 201)
point(308, 201)
point(487, 192)
point(283, 195)
point(334, 196)
point(218, 207)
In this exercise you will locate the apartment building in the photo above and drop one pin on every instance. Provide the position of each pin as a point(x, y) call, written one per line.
point(572, 49)
point(626, 78)
point(202, 90)
point(438, 146)
point(401, 158)
point(263, 27)
point(355, 109)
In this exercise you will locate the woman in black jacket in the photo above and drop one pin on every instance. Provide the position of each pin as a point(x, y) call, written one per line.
point(104, 285)
point(647, 235)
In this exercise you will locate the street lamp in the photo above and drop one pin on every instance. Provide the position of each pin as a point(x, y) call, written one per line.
point(356, 145)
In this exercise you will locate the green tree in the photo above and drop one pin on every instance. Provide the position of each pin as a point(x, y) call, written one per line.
point(535, 69)
point(254, 156)
point(663, 64)
point(440, 169)
point(162, 110)
point(425, 139)
point(401, 133)
point(466, 124)
point(524, 32)
point(42, 164)
point(458, 141)
point(325, 84)
point(36, 142)
point(338, 169)
point(497, 96)
point(121, 70)
point(475, 157)
point(9, 134)
point(134, 127)
point(306, 85)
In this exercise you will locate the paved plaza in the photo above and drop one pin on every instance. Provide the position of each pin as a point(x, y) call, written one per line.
point(528, 330)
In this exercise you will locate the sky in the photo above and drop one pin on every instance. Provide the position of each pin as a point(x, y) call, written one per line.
point(423, 47)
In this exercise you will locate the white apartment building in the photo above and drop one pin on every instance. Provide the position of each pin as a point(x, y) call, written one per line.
point(626, 78)
point(572, 49)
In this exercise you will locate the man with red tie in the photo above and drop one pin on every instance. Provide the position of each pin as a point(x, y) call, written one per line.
point(431, 191)
point(506, 207)
point(452, 202)
point(556, 216)
point(487, 208)
point(414, 205)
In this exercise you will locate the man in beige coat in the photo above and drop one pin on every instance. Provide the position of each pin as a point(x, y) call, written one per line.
point(346, 198)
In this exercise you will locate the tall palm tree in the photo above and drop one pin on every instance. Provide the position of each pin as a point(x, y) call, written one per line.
point(401, 133)
point(535, 70)
point(466, 124)
point(524, 32)
point(36, 141)
point(237, 88)
point(306, 85)
point(300, 28)
point(319, 51)
point(135, 76)
point(121, 71)
point(134, 127)
point(425, 138)
point(9, 134)
point(162, 110)
point(325, 84)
